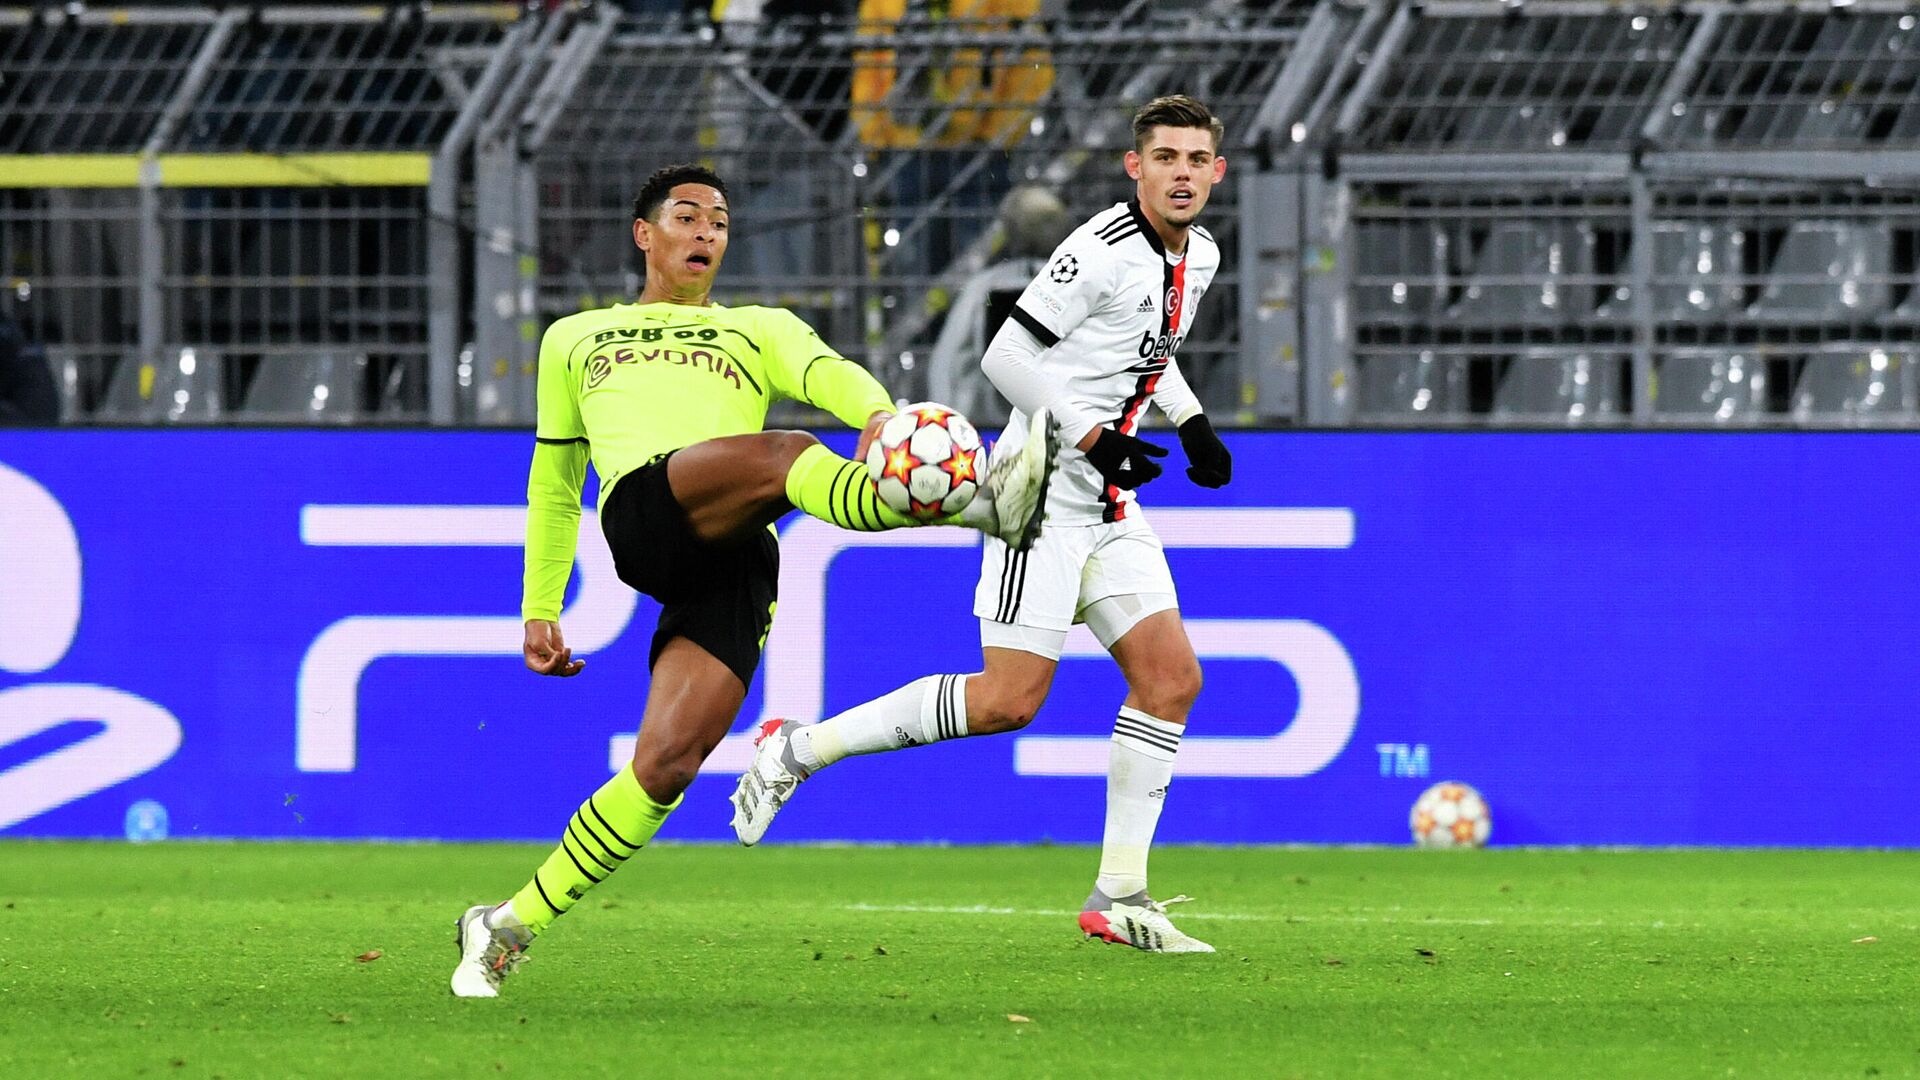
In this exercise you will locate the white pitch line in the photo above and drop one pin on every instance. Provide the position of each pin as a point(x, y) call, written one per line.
point(1237, 916)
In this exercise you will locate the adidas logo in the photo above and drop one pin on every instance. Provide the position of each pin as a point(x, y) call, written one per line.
point(1146, 305)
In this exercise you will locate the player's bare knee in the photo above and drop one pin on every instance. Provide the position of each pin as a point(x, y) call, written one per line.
point(667, 772)
point(1001, 708)
point(1170, 691)
point(783, 447)
point(778, 450)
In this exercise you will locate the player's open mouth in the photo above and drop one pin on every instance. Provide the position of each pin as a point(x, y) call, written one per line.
point(698, 263)
point(1181, 197)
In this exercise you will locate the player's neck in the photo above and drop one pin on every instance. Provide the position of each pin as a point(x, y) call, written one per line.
point(1172, 237)
point(666, 295)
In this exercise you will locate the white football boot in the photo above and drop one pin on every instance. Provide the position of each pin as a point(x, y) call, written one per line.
point(487, 955)
point(1012, 503)
point(768, 783)
point(1140, 922)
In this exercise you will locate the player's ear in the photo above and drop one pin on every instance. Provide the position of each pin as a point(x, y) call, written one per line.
point(1219, 168)
point(642, 238)
point(1133, 164)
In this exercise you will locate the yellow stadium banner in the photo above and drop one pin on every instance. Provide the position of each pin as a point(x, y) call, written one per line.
point(217, 170)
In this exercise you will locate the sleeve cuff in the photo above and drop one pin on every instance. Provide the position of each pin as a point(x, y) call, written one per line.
point(1192, 411)
point(1032, 325)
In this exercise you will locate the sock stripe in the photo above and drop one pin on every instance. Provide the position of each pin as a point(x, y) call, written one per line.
point(1146, 734)
point(611, 831)
point(604, 846)
point(957, 686)
point(1126, 727)
point(557, 909)
point(948, 712)
point(865, 496)
point(846, 498)
point(582, 844)
point(578, 865)
point(838, 517)
point(940, 720)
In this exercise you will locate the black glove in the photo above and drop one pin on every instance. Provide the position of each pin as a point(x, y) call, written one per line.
point(1209, 464)
point(1125, 461)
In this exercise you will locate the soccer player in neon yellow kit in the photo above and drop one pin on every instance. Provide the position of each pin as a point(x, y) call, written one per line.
point(668, 395)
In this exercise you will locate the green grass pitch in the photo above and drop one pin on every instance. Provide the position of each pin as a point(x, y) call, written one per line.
point(239, 960)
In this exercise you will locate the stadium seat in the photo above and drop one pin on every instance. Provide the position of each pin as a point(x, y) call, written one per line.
point(310, 388)
point(1696, 273)
point(1828, 122)
point(183, 387)
point(1828, 271)
point(1575, 388)
point(1719, 385)
point(1866, 384)
point(1413, 386)
point(1399, 271)
point(1530, 274)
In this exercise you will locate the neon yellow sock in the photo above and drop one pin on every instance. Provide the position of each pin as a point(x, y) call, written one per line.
point(839, 492)
point(609, 827)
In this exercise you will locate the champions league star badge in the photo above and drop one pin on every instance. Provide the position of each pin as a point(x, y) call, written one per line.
point(1064, 269)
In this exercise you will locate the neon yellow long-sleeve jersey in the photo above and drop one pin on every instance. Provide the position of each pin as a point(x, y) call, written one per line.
point(627, 383)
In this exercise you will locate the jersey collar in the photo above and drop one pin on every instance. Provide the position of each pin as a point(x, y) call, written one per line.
point(1146, 227)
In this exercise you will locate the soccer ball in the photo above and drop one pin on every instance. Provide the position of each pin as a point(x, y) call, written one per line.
point(1450, 815)
point(927, 461)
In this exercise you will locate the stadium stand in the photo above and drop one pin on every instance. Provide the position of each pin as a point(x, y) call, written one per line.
point(1459, 212)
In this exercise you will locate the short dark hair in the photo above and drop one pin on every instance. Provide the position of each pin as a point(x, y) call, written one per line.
point(1176, 111)
point(655, 190)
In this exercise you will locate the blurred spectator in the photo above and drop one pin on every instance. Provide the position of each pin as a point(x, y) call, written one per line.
point(27, 393)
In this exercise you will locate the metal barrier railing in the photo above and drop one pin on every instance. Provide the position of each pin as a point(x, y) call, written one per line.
point(1462, 212)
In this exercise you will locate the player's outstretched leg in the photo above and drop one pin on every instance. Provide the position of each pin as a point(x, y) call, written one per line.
point(1010, 505)
point(933, 709)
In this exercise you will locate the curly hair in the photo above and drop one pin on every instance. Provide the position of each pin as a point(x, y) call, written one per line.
point(654, 192)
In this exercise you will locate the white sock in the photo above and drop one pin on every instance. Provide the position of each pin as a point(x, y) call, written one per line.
point(1139, 768)
point(923, 711)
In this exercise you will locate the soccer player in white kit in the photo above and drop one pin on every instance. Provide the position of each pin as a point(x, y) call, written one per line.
point(1090, 343)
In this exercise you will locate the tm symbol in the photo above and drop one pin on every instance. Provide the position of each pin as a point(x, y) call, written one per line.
point(1402, 759)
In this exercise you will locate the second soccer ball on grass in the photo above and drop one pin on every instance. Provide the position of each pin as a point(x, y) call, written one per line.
point(1450, 815)
point(927, 461)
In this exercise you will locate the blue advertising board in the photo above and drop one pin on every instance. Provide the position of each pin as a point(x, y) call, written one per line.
point(1621, 638)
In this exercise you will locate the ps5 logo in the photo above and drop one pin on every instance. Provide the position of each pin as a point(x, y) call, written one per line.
point(40, 602)
point(1329, 698)
point(327, 719)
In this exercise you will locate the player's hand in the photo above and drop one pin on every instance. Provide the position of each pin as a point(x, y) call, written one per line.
point(546, 651)
point(869, 433)
point(1125, 462)
point(1209, 463)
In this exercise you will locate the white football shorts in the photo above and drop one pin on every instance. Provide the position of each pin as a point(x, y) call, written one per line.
point(1109, 576)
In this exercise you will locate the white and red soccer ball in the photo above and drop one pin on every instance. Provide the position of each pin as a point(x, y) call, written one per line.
point(1450, 815)
point(927, 461)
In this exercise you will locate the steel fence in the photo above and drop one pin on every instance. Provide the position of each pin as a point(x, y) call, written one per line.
point(1460, 212)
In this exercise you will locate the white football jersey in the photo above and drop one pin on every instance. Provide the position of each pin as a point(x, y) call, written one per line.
point(1112, 306)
